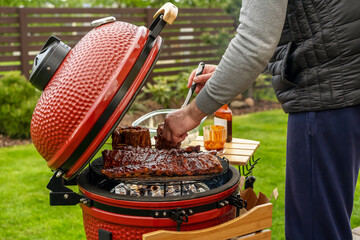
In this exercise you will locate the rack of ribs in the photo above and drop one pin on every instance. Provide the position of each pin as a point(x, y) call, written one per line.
point(131, 136)
point(138, 162)
point(161, 142)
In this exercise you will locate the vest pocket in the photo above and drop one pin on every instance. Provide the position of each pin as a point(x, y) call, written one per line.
point(288, 68)
point(284, 70)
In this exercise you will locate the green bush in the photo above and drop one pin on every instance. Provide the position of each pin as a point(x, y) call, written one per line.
point(138, 105)
point(17, 102)
point(169, 90)
point(219, 40)
point(233, 8)
point(263, 88)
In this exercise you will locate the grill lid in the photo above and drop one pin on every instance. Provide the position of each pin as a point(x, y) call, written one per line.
point(89, 88)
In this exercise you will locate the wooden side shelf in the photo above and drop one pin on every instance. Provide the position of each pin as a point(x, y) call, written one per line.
point(249, 226)
point(239, 151)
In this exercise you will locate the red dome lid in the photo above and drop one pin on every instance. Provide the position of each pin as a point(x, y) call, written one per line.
point(90, 92)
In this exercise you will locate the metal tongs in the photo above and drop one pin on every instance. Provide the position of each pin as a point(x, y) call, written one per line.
point(199, 71)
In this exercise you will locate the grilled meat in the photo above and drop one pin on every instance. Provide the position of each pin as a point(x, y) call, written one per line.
point(131, 136)
point(161, 142)
point(139, 162)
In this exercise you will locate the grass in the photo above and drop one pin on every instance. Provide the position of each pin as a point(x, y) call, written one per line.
point(24, 206)
point(270, 129)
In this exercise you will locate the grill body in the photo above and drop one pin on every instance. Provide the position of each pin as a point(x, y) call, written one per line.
point(128, 217)
point(133, 227)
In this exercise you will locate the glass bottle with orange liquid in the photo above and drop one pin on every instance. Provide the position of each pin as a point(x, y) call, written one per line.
point(223, 117)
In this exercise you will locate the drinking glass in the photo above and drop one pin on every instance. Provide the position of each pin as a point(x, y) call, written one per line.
point(214, 138)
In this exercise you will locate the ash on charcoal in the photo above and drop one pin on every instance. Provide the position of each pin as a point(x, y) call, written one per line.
point(176, 189)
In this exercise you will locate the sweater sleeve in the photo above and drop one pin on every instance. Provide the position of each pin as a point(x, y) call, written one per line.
point(261, 24)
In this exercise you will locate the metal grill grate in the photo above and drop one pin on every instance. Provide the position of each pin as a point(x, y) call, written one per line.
point(160, 186)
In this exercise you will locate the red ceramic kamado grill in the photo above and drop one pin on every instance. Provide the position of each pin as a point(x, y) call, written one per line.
point(86, 92)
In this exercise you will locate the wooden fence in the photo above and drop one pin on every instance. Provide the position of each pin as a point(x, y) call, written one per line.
point(24, 30)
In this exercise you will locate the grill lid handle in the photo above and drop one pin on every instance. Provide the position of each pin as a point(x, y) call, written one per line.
point(170, 12)
point(166, 14)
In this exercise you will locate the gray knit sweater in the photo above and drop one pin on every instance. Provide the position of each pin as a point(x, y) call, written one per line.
point(261, 23)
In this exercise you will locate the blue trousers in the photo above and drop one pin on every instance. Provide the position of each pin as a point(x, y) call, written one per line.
point(322, 166)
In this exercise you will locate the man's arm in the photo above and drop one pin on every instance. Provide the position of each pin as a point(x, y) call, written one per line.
point(245, 58)
point(261, 23)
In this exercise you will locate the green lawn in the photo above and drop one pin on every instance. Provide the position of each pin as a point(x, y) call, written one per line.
point(270, 129)
point(24, 206)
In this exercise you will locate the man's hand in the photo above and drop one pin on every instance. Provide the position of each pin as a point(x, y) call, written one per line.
point(201, 79)
point(179, 122)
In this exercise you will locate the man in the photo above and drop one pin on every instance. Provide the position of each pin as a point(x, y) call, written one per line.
point(316, 78)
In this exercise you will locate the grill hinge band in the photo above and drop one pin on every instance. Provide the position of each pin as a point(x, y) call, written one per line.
point(62, 195)
point(238, 202)
point(179, 216)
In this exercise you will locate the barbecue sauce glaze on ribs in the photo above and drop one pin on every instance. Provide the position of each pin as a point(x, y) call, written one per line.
point(161, 142)
point(136, 162)
point(131, 136)
point(132, 156)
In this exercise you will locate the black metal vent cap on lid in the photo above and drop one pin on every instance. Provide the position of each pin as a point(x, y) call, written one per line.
point(48, 60)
